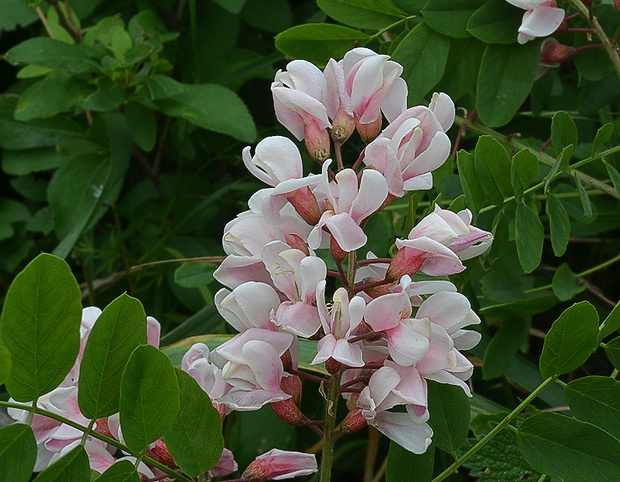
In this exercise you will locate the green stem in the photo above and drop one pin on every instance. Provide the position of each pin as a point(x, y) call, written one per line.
point(87, 431)
point(331, 407)
point(108, 440)
point(446, 473)
point(601, 266)
point(402, 20)
point(598, 30)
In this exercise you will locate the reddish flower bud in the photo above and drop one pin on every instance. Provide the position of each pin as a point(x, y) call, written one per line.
point(287, 361)
point(343, 126)
point(287, 411)
point(305, 204)
point(160, 453)
point(556, 52)
point(402, 264)
point(317, 141)
point(332, 366)
point(353, 422)
point(617, 5)
point(279, 464)
point(368, 132)
point(292, 386)
point(336, 251)
point(297, 242)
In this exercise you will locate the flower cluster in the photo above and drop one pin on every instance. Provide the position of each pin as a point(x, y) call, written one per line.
point(382, 332)
point(542, 18)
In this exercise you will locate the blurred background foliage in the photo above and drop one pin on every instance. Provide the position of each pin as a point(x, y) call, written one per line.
point(122, 126)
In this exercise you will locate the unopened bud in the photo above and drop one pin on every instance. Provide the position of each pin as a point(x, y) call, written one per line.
point(287, 361)
point(317, 141)
point(617, 5)
point(332, 366)
point(297, 242)
point(292, 386)
point(101, 426)
point(161, 454)
point(306, 205)
point(343, 126)
point(336, 251)
point(353, 422)
point(287, 411)
point(556, 52)
point(402, 264)
point(376, 291)
point(368, 132)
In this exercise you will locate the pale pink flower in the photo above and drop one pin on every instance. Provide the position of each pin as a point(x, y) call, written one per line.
point(348, 204)
point(209, 377)
point(541, 19)
point(250, 305)
point(279, 465)
point(276, 159)
point(225, 466)
point(250, 362)
point(338, 322)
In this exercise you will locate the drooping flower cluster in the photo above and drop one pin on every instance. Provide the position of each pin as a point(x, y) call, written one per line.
point(380, 331)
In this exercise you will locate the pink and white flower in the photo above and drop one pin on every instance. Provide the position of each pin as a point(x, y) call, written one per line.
point(279, 465)
point(542, 18)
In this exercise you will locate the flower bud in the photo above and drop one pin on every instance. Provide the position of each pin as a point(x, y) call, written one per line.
point(159, 452)
point(353, 422)
point(556, 52)
point(297, 242)
point(336, 251)
point(402, 264)
point(279, 464)
point(342, 126)
point(101, 426)
point(287, 361)
point(332, 366)
point(369, 131)
point(306, 205)
point(617, 5)
point(292, 386)
point(287, 411)
point(317, 141)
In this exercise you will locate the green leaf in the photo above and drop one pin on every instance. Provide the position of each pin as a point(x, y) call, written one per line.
point(41, 327)
point(212, 107)
point(570, 341)
point(462, 67)
point(612, 350)
point(596, 399)
point(499, 460)
point(119, 329)
point(565, 284)
point(524, 170)
point(195, 438)
point(559, 224)
point(404, 465)
point(493, 169)
point(23, 162)
point(46, 52)
point(603, 134)
point(71, 467)
point(412, 7)
point(496, 22)
point(5, 364)
point(80, 191)
point(450, 409)
point(450, 17)
point(567, 448)
point(268, 15)
point(58, 92)
point(501, 238)
point(142, 125)
point(121, 471)
point(149, 400)
point(37, 133)
point(318, 42)
point(232, 6)
point(423, 53)
point(498, 356)
point(162, 86)
point(529, 236)
point(559, 165)
point(507, 74)
point(563, 131)
point(469, 181)
point(612, 322)
point(583, 197)
point(108, 96)
point(371, 14)
point(18, 452)
point(614, 175)
point(14, 13)
point(194, 275)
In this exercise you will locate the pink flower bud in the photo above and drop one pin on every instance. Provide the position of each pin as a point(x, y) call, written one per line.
point(280, 464)
point(292, 386)
point(317, 141)
point(337, 252)
point(368, 132)
point(287, 411)
point(332, 366)
point(342, 126)
point(160, 453)
point(403, 264)
point(556, 52)
point(305, 204)
point(353, 422)
point(102, 427)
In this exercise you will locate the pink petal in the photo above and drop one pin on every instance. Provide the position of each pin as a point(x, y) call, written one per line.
point(402, 429)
